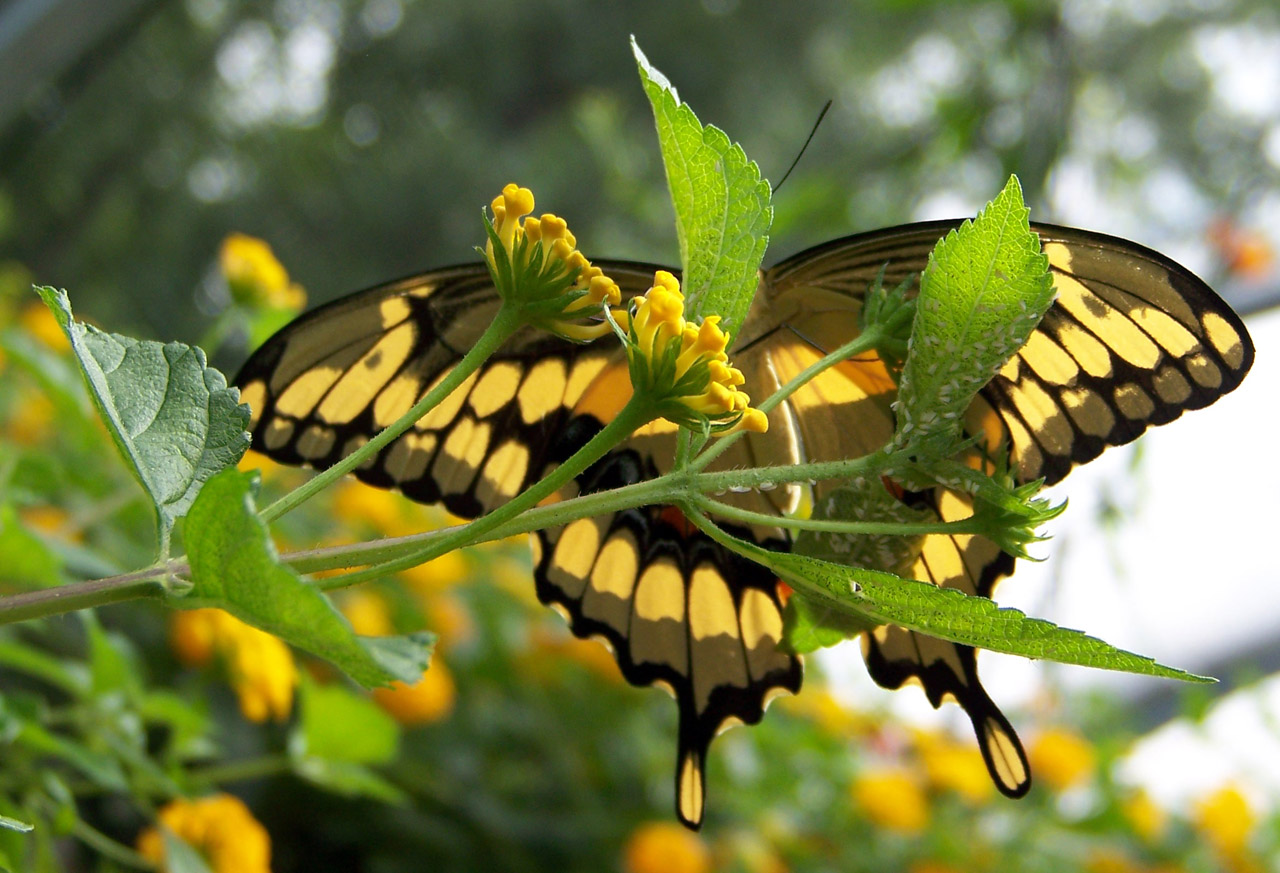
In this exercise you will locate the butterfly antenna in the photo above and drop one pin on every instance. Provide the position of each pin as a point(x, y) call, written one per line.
point(809, 139)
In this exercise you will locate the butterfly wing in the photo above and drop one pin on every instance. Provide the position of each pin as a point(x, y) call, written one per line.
point(676, 609)
point(1133, 340)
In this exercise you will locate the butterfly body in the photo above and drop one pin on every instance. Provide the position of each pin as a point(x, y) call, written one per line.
point(1133, 340)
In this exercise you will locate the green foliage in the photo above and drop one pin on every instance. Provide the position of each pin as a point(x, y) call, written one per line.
point(172, 417)
point(723, 207)
point(985, 290)
point(234, 566)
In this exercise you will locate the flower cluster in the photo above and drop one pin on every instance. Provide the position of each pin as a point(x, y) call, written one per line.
point(683, 366)
point(220, 828)
point(535, 262)
point(261, 667)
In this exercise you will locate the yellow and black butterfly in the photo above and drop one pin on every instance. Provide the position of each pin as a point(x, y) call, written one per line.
point(1132, 340)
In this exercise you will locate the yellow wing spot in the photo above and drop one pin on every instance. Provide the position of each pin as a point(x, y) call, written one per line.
point(1120, 334)
point(278, 433)
point(495, 388)
point(607, 393)
point(305, 392)
point(316, 441)
point(503, 473)
point(466, 447)
point(1009, 768)
point(393, 310)
point(690, 790)
point(658, 631)
point(1043, 416)
point(361, 382)
point(542, 391)
point(584, 372)
point(1049, 361)
point(574, 555)
point(608, 599)
point(1204, 371)
point(761, 632)
point(1171, 334)
point(394, 400)
point(1133, 402)
point(354, 445)
point(406, 460)
point(1089, 412)
point(440, 416)
point(711, 611)
point(255, 395)
point(1026, 454)
point(1224, 338)
point(1085, 348)
point(1172, 386)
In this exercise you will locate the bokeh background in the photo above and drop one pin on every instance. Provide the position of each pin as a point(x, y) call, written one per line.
point(360, 138)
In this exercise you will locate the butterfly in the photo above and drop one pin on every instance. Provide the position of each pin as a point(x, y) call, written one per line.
point(1133, 340)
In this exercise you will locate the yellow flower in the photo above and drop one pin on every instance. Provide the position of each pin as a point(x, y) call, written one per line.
point(383, 511)
point(1146, 818)
point(368, 613)
point(684, 367)
point(1062, 758)
point(51, 520)
point(449, 619)
point(430, 699)
point(537, 264)
point(1111, 861)
point(220, 827)
point(891, 799)
point(32, 420)
point(1226, 820)
point(955, 766)
point(439, 574)
point(260, 667)
point(254, 276)
point(38, 320)
point(829, 713)
point(665, 847)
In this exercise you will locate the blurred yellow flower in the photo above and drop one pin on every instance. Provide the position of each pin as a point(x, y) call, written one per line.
point(32, 418)
point(255, 277)
point(448, 617)
point(954, 766)
point(1107, 860)
point(1225, 819)
point(51, 520)
point(260, 667)
point(270, 470)
point(386, 512)
point(1146, 818)
point(430, 699)
point(368, 612)
point(547, 645)
point(38, 320)
point(892, 799)
point(665, 847)
point(445, 571)
point(220, 827)
point(829, 713)
point(1062, 758)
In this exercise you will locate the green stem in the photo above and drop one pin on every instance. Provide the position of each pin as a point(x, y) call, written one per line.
point(505, 323)
point(906, 529)
point(240, 771)
point(637, 413)
point(82, 595)
point(109, 848)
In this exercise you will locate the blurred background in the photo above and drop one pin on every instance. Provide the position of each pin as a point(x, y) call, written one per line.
point(360, 138)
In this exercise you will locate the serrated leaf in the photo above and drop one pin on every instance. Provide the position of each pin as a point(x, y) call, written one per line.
point(234, 566)
point(948, 614)
point(984, 291)
point(172, 417)
point(723, 208)
point(338, 725)
point(809, 624)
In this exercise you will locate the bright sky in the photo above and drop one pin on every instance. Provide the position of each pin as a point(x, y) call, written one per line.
point(1182, 579)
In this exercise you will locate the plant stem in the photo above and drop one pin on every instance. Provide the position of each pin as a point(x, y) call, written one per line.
point(637, 413)
point(504, 324)
point(81, 595)
point(725, 510)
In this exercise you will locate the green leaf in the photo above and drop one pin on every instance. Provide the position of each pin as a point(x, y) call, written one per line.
point(180, 856)
point(723, 207)
point(25, 561)
point(350, 780)
point(234, 566)
point(103, 771)
point(338, 725)
point(810, 623)
point(948, 614)
point(172, 417)
point(984, 291)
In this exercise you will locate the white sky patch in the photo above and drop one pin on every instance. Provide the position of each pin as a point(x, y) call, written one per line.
point(906, 92)
point(1244, 61)
point(269, 80)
